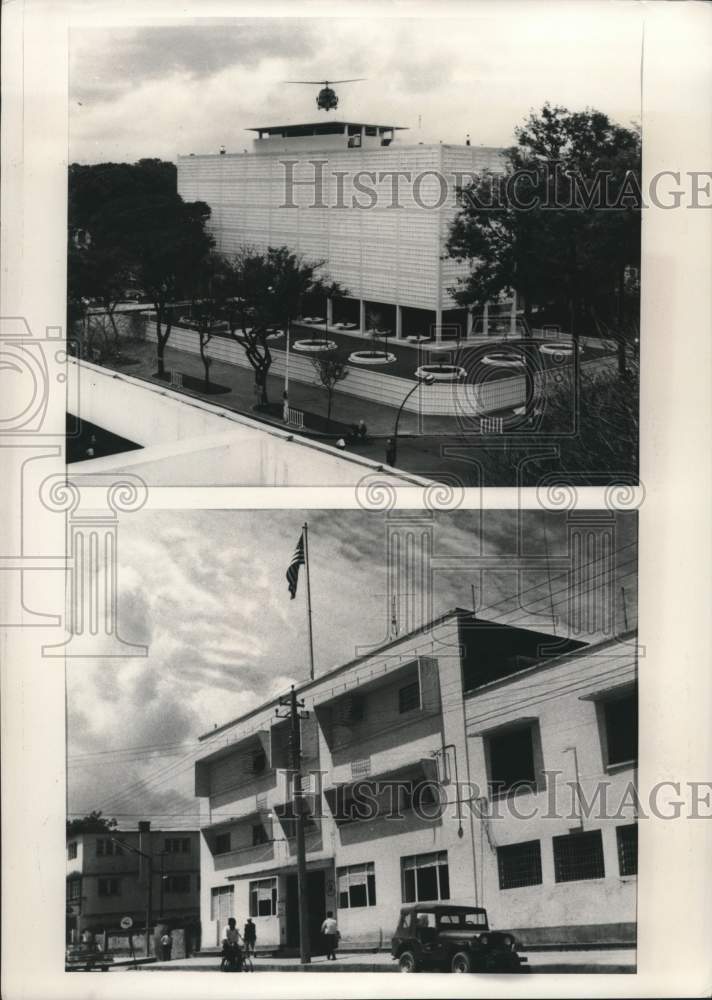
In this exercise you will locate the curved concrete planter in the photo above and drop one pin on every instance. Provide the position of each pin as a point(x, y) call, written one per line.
point(371, 358)
point(441, 373)
point(503, 361)
point(313, 346)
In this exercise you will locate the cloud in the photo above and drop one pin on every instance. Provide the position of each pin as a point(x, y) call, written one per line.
point(207, 591)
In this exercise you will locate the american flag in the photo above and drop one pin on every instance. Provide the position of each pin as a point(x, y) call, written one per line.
point(293, 569)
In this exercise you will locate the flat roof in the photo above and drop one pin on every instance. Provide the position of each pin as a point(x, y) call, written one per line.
point(322, 124)
point(459, 614)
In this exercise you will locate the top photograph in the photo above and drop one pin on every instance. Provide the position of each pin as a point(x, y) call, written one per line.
point(310, 252)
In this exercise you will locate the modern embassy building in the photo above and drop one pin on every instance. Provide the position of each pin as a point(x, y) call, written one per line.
point(411, 753)
point(376, 208)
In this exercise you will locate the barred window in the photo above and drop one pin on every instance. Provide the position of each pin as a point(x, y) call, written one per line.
point(177, 883)
point(519, 864)
point(627, 837)
point(72, 850)
point(263, 897)
point(357, 886)
point(578, 856)
point(74, 889)
point(425, 877)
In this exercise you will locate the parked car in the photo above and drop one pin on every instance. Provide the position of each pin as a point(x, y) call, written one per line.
point(451, 938)
point(86, 958)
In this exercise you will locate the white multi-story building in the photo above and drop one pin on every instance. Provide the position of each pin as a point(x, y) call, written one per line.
point(411, 753)
point(374, 208)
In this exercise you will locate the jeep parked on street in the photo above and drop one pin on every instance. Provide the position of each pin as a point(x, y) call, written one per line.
point(451, 938)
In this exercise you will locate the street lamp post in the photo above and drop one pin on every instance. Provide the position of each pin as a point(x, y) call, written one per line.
point(149, 886)
point(426, 380)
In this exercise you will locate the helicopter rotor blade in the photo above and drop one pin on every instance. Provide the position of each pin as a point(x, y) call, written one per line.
point(313, 83)
point(354, 79)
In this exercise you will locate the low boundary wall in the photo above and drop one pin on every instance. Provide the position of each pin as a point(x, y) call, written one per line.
point(456, 399)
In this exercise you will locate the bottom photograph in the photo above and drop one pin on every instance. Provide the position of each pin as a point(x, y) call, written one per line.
point(359, 741)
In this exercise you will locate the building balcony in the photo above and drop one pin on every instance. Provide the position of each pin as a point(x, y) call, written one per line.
point(244, 766)
point(376, 716)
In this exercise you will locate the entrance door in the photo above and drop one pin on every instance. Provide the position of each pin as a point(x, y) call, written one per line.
point(221, 908)
point(316, 904)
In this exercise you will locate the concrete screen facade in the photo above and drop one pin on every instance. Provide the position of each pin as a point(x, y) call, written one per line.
point(377, 213)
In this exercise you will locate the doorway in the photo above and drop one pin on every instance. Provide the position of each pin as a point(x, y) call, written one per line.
point(316, 902)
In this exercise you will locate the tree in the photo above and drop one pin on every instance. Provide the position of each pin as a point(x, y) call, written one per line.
point(208, 305)
point(93, 823)
point(167, 240)
point(263, 292)
point(568, 252)
point(331, 368)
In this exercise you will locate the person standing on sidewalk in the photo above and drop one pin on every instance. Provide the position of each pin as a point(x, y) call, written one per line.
point(249, 936)
point(330, 930)
point(390, 452)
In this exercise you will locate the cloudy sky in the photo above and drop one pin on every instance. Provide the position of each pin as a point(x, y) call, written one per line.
point(195, 85)
point(206, 591)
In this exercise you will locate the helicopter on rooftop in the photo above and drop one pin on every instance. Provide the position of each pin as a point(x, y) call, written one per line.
point(326, 98)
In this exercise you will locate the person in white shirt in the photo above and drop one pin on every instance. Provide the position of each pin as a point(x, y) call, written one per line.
point(232, 942)
point(330, 930)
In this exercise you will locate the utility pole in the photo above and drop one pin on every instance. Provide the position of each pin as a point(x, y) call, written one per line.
point(295, 752)
point(149, 887)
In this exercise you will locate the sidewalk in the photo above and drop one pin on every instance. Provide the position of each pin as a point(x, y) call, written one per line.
point(607, 962)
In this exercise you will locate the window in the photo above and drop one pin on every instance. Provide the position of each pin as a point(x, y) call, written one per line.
point(222, 902)
point(425, 877)
point(177, 883)
point(519, 864)
point(106, 847)
point(357, 886)
point(578, 856)
point(259, 835)
point(72, 850)
point(627, 837)
point(177, 845)
point(512, 758)
point(109, 887)
point(222, 843)
point(259, 762)
point(619, 737)
point(263, 898)
point(409, 697)
point(74, 889)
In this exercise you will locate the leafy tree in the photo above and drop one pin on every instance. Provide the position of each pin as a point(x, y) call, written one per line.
point(208, 305)
point(331, 368)
point(263, 292)
point(93, 187)
point(93, 823)
point(568, 253)
point(167, 240)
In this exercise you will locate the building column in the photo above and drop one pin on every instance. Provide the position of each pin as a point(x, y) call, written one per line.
point(470, 324)
point(438, 325)
point(513, 315)
point(329, 311)
point(362, 315)
point(399, 322)
point(485, 320)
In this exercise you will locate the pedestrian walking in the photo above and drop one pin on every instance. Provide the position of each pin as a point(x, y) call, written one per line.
point(166, 946)
point(330, 931)
point(390, 452)
point(250, 936)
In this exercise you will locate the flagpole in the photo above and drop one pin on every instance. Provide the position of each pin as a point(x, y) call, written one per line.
point(309, 610)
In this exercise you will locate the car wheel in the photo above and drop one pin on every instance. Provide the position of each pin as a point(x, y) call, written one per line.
point(461, 962)
point(407, 962)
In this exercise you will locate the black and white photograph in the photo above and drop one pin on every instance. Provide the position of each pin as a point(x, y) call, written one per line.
point(355, 548)
point(425, 264)
point(445, 781)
